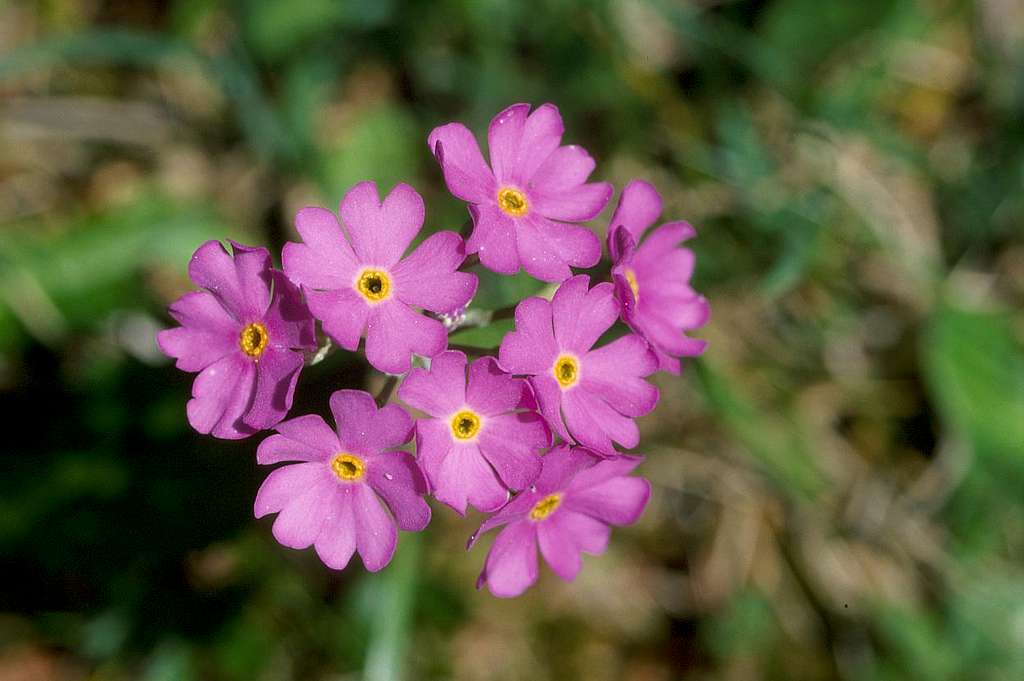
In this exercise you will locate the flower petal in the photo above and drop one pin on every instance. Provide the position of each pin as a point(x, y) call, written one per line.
point(376, 536)
point(464, 476)
point(287, 483)
point(547, 249)
point(504, 135)
point(439, 391)
point(337, 540)
point(433, 442)
point(494, 238)
point(206, 334)
point(288, 321)
point(639, 206)
point(621, 247)
point(512, 444)
point(299, 522)
point(511, 565)
point(465, 172)
point(221, 393)
point(604, 470)
point(573, 205)
point(516, 509)
point(394, 332)
point(666, 239)
point(594, 424)
point(589, 534)
point(365, 430)
point(325, 259)
point(305, 438)
point(277, 372)
point(531, 348)
point(549, 401)
point(344, 314)
point(561, 465)
point(618, 501)
point(381, 232)
point(491, 391)
point(664, 324)
point(428, 277)
point(558, 549)
point(400, 482)
point(581, 315)
point(241, 282)
point(616, 371)
point(542, 133)
point(566, 168)
point(519, 144)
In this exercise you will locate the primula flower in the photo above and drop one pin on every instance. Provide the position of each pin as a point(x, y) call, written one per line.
point(567, 512)
point(587, 396)
point(480, 442)
point(522, 202)
point(244, 335)
point(357, 279)
point(652, 280)
point(338, 498)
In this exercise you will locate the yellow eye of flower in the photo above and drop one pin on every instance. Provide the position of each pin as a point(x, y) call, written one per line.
point(253, 339)
point(513, 202)
point(374, 285)
point(566, 370)
point(546, 506)
point(465, 425)
point(631, 278)
point(348, 468)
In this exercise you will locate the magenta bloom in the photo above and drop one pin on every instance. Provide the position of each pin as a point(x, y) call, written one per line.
point(484, 438)
point(588, 396)
point(522, 202)
point(356, 280)
point(568, 512)
point(339, 497)
point(244, 335)
point(652, 280)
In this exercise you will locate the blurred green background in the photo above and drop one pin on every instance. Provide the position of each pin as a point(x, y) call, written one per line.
point(838, 482)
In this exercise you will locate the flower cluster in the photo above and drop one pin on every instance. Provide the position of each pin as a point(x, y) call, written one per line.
point(528, 436)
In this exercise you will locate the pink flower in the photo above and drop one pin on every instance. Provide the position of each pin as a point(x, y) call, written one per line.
point(484, 439)
point(338, 499)
point(244, 335)
point(522, 202)
point(356, 280)
point(587, 396)
point(652, 280)
point(568, 512)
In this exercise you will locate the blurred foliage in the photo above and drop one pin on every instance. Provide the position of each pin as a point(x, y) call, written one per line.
point(839, 481)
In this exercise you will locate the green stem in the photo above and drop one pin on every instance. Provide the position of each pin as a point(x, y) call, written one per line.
point(385, 392)
point(389, 631)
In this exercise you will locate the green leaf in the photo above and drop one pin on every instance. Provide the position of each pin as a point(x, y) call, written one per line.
point(488, 337)
point(916, 642)
point(498, 291)
point(975, 371)
point(383, 144)
point(69, 277)
point(774, 442)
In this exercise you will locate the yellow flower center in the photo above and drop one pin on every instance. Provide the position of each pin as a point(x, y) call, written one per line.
point(631, 278)
point(374, 285)
point(253, 339)
point(465, 425)
point(348, 468)
point(513, 202)
point(546, 506)
point(566, 370)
